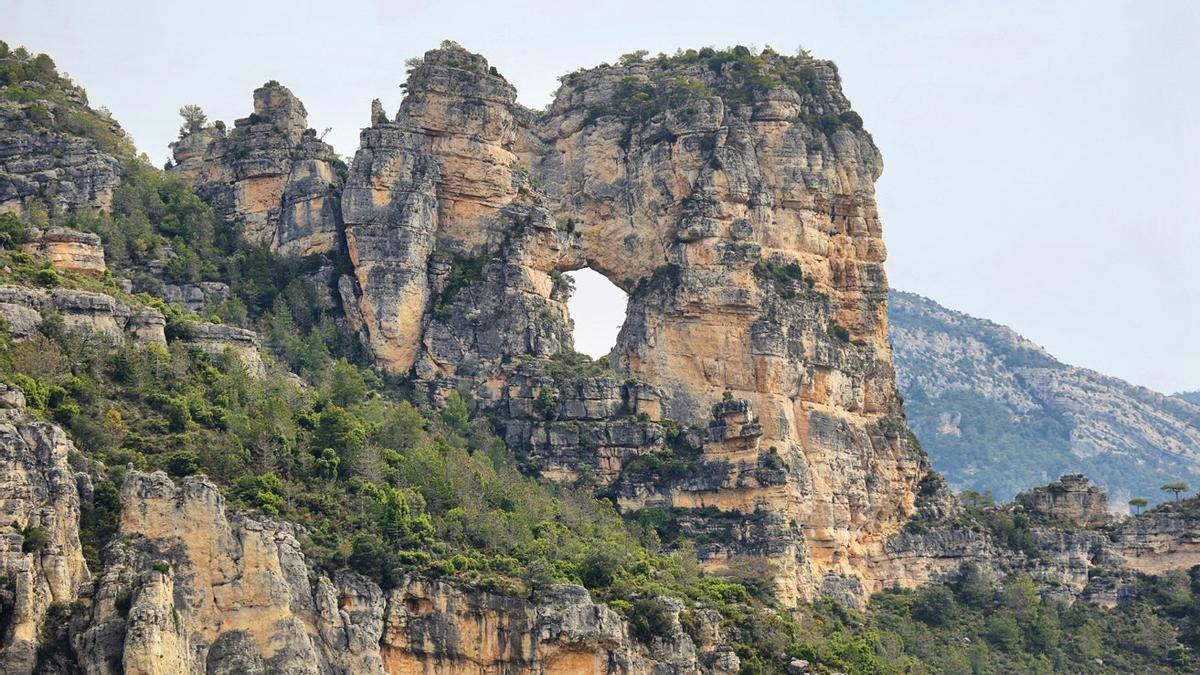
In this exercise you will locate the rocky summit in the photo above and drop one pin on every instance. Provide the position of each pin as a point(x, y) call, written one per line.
point(266, 411)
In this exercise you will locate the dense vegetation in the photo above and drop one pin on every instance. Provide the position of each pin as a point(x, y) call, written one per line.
point(736, 75)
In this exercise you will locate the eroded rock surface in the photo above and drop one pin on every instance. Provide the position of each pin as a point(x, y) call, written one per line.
point(209, 591)
point(1072, 498)
point(217, 338)
point(40, 556)
point(741, 219)
point(270, 173)
point(66, 249)
point(43, 155)
point(23, 310)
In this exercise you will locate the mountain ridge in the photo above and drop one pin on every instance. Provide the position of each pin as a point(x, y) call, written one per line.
point(1029, 416)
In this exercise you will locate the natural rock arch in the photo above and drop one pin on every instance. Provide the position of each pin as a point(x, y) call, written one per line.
point(731, 195)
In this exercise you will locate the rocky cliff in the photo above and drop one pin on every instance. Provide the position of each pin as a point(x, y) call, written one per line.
point(270, 173)
point(732, 196)
point(192, 588)
point(747, 419)
point(53, 147)
point(997, 412)
point(24, 309)
point(41, 562)
point(66, 249)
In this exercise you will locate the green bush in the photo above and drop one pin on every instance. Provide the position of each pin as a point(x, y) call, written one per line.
point(546, 403)
point(12, 230)
point(183, 463)
point(34, 539)
point(648, 618)
point(47, 277)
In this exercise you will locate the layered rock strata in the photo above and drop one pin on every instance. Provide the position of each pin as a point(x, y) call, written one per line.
point(270, 173)
point(741, 220)
point(1073, 539)
point(1072, 498)
point(196, 297)
point(66, 249)
point(41, 560)
point(43, 160)
point(216, 339)
point(23, 310)
point(189, 587)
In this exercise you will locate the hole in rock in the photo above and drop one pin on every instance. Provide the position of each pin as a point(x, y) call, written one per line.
point(598, 308)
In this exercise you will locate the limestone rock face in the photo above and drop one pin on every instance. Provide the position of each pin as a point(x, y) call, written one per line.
point(38, 160)
point(40, 554)
point(1074, 536)
point(24, 308)
point(209, 591)
point(217, 338)
point(1072, 498)
point(440, 186)
point(66, 249)
point(271, 174)
point(194, 297)
point(741, 219)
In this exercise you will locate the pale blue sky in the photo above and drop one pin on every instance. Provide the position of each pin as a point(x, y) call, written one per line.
point(1041, 156)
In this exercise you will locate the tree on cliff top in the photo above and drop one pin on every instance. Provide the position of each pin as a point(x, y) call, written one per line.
point(1176, 488)
point(194, 119)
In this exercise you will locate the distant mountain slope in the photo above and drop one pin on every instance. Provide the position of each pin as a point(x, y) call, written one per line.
point(996, 411)
point(1193, 396)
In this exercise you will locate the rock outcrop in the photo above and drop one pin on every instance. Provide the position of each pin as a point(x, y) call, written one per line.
point(271, 174)
point(41, 560)
point(23, 310)
point(66, 249)
point(739, 216)
point(1071, 498)
point(1071, 543)
point(216, 339)
point(42, 161)
point(192, 588)
point(195, 297)
point(996, 411)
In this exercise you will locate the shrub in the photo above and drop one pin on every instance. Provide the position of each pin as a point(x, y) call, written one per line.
point(1004, 632)
point(183, 463)
point(34, 539)
point(600, 567)
point(455, 414)
point(47, 277)
point(648, 618)
point(546, 403)
point(12, 230)
point(935, 605)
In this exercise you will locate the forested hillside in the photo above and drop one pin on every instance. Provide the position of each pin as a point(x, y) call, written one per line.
point(997, 412)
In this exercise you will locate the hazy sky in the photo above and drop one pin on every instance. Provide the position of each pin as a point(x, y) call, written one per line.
point(1041, 156)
